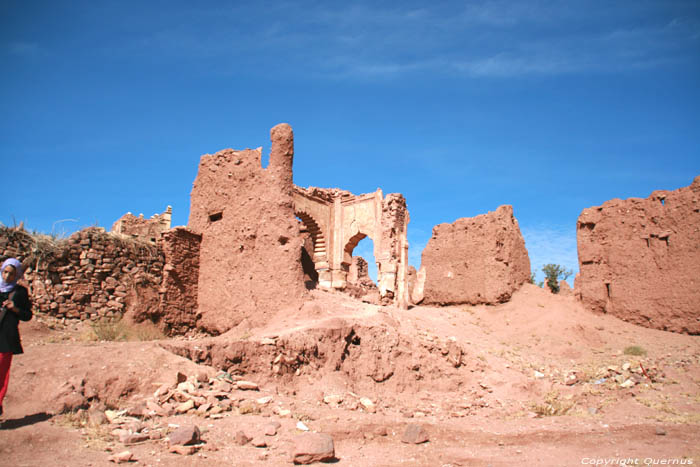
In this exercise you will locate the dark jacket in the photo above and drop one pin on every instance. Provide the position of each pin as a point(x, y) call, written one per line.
point(9, 327)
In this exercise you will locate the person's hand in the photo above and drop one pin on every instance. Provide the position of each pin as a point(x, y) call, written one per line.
point(10, 305)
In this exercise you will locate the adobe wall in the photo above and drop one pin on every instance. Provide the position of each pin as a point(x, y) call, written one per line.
point(474, 260)
point(149, 230)
point(250, 264)
point(639, 259)
point(178, 306)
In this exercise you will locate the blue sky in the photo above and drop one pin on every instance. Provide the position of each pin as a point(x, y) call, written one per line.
point(461, 106)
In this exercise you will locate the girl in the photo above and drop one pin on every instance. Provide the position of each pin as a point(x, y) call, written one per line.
point(15, 307)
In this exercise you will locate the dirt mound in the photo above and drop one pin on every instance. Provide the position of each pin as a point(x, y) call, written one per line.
point(474, 260)
point(640, 259)
point(539, 380)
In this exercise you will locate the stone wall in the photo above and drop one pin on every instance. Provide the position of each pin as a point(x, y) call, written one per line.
point(639, 259)
point(91, 274)
point(250, 264)
point(475, 260)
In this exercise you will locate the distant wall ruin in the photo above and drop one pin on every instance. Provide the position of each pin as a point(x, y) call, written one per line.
point(639, 259)
point(148, 230)
point(474, 260)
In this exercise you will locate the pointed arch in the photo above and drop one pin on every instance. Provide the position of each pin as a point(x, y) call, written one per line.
point(317, 236)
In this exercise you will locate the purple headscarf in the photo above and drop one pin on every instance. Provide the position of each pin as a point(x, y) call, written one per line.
point(9, 286)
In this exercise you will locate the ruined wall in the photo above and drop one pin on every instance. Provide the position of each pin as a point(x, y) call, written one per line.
point(89, 275)
point(359, 270)
point(178, 293)
point(250, 251)
point(145, 229)
point(639, 259)
point(475, 260)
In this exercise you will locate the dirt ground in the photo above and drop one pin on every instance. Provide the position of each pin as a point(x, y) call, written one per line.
point(536, 381)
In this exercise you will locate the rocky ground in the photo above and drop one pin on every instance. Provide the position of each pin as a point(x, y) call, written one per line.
point(536, 381)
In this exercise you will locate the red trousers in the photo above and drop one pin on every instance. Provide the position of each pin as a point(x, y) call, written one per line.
point(5, 362)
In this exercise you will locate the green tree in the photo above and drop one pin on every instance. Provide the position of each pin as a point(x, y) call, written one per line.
point(553, 273)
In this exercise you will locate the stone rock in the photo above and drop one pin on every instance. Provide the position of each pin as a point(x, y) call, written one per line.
point(133, 438)
point(270, 429)
point(474, 260)
point(97, 417)
point(312, 447)
point(259, 442)
point(247, 386)
point(185, 435)
point(639, 259)
point(302, 426)
point(414, 434)
point(241, 438)
point(183, 450)
point(333, 399)
point(124, 456)
point(185, 406)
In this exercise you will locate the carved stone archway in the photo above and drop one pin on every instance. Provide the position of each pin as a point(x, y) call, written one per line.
point(338, 220)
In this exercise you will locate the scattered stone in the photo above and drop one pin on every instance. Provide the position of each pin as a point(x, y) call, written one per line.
point(414, 434)
point(333, 399)
point(180, 378)
point(259, 442)
point(312, 447)
point(183, 450)
point(380, 431)
point(185, 435)
point(264, 400)
point(133, 438)
point(627, 384)
point(538, 375)
point(660, 431)
point(241, 438)
point(247, 386)
point(97, 417)
point(270, 429)
point(302, 426)
point(368, 405)
point(124, 456)
point(185, 406)
point(571, 380)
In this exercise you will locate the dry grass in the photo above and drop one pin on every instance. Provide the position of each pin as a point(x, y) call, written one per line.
point(635, 350)
point(117, 329)
point(553, 405)
point(96, 436)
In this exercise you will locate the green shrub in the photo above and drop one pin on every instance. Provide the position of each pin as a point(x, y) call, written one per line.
point(553, 273)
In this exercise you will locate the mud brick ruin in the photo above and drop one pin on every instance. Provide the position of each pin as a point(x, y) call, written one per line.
point(149, 230)
point(474, 260)
point(639, 259)
point(255, 243)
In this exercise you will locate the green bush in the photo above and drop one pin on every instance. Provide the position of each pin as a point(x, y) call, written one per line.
point(553, 273)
